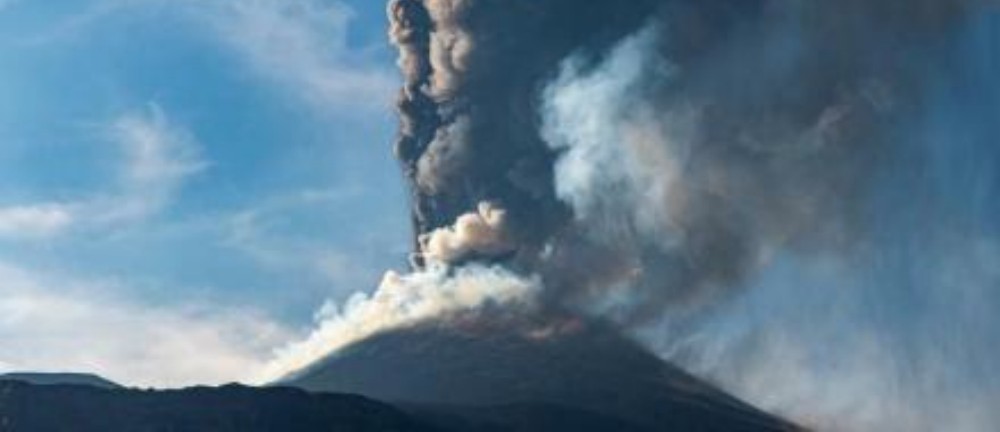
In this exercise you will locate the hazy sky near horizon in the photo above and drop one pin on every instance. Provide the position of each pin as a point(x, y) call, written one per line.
point(184, 182)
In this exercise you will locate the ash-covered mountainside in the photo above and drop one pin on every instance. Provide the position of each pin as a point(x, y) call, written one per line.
point(588, 367)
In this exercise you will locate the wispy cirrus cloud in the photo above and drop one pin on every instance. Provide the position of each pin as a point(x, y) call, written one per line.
point(303, 45)
point(157, 158)
point(256, 233)
point(34, 220)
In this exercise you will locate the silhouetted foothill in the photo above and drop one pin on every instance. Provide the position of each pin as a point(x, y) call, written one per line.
point(50, 408)
point(38, 378)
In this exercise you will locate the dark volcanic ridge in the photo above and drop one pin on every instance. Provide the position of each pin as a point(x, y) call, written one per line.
point(58, 378)
point(577, 365)
point(80, 408)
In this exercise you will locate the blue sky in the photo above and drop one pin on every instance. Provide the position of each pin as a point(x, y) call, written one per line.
point(184, 182)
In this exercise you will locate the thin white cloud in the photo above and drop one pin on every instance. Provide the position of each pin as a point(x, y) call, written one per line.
point(34, 221)
point(252, 232)
point(157, 158)
point(53, 323)
point(303, 45)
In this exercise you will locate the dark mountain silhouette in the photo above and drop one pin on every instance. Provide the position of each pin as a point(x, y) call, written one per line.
point(589, 368)
point(80, 408)
point(454, 377)
point(48, 378)
point(56, 408)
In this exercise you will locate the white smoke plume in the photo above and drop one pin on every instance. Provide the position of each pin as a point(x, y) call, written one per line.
point(481, 233)
point(618, 167)
point(402, 300)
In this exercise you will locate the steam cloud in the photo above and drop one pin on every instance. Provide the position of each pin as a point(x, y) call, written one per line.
point(647, 162)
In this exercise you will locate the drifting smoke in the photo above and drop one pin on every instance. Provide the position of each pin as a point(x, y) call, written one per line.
point(401, 301)
point(661, 164)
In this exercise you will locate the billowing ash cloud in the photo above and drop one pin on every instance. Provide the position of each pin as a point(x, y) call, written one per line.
point(668, 145)
point(470, 128)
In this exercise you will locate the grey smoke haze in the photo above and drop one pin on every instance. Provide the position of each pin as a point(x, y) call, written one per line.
point(684, 168)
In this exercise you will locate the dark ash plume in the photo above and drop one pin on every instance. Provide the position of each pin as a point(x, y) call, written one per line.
point(649, 154)
point(469, 122)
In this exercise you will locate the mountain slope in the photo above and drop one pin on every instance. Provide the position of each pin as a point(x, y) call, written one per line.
point(57, 408)
point(590, 368)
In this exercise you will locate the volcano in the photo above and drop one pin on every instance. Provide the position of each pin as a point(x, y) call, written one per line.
point(442, 376)
point(583, 367)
